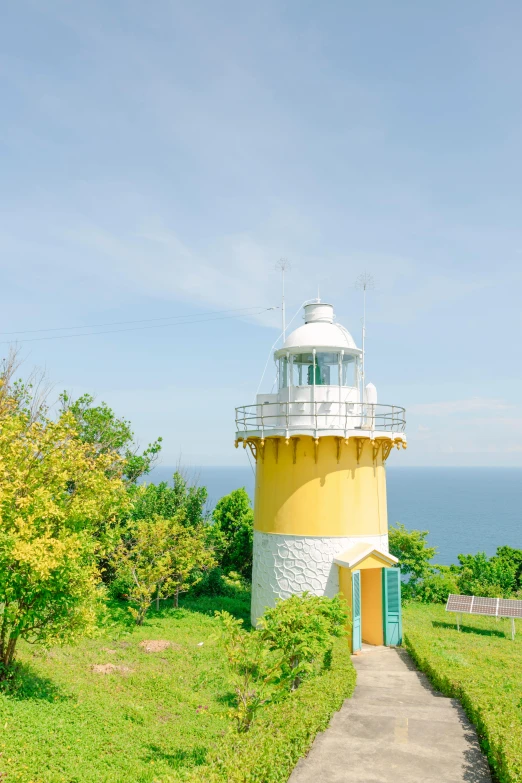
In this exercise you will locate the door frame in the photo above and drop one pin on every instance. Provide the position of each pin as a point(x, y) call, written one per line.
point(356, 577)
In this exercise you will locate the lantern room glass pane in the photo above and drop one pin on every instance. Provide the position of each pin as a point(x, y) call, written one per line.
point(298, 369)
point(349, 371)
point(327, 369)
point(300, 364)
point(283, 372)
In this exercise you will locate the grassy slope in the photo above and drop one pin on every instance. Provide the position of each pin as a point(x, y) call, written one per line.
point(69, 724)
point(483, 668)
point(165, 721)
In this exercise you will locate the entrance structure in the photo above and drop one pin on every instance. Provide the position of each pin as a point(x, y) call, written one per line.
point(320, 444)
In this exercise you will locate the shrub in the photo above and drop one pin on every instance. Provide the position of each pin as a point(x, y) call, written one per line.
point(414, 555)
point(214, 582)
point(284, 730)
point(303, 628)
point(294, 639)
point(436, 587)
point(480, 575)
point(255, 669)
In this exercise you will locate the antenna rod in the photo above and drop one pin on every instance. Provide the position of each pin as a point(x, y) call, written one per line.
point(364, 282)
point(284, 265)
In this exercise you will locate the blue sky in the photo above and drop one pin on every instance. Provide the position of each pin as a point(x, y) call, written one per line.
point(158, 158)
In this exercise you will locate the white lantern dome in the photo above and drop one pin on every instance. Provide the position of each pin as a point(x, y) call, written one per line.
point(319, 331)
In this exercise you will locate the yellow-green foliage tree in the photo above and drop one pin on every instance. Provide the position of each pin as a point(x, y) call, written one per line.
point(159, 558)
point(54, 494)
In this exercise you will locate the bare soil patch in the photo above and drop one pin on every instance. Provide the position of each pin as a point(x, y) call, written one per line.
point(110, 668)
point(157, 645)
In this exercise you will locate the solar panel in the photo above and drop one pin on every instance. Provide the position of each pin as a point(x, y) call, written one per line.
point(487, 606)
point(509, 607)
point(490, 607)
point(459, 603)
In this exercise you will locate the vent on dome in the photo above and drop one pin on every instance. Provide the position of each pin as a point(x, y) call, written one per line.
point(317, 312)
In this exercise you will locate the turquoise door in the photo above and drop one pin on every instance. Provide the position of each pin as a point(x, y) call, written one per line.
point(356, 611)
point(391, 606)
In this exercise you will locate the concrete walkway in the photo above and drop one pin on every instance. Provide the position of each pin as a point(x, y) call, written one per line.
point(394, 728)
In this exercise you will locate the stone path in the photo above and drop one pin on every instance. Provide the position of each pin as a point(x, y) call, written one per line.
point(396, 727)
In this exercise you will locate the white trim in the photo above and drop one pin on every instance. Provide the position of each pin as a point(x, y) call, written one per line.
point(356, 553)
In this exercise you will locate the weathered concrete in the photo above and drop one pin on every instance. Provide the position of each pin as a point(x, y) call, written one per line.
point(394, 728)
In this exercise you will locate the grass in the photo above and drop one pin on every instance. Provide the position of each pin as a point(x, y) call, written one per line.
point(60, 721)
point(164, 718)
point(481, 667)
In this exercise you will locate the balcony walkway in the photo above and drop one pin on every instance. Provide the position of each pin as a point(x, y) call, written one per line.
point(394, 728)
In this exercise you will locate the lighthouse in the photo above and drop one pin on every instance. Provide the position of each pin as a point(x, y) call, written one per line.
point(320, 444)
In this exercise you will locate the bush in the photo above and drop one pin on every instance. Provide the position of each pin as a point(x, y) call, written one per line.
point(436, 587)
point(414, 555)
point(284, 730)
point(215, 582)
point(295, 639)
point(303, 627)
point(493, 577)
point(255, 669)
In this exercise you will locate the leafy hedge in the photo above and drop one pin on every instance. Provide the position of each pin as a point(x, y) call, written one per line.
point(482, 668)
point(284, 731)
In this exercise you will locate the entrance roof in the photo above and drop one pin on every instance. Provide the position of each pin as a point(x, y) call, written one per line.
point(356, 554)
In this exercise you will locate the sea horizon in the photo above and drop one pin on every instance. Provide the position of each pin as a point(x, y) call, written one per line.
point(466, 509)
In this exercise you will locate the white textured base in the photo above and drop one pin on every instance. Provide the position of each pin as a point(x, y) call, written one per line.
point(289, 565)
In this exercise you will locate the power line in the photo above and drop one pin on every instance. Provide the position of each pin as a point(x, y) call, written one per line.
point(139, 328)
point(121, 323)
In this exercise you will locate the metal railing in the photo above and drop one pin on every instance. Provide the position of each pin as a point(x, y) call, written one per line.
point(319, 416)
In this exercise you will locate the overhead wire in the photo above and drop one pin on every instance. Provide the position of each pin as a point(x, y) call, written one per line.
point(240, 313)
point(138, 321)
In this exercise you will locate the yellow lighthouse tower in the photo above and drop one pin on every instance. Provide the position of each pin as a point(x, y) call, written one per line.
point(320, 444)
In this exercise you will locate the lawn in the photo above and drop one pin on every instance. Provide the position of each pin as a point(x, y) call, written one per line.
point(482, 667)
point(151, 719)
point(109, 711)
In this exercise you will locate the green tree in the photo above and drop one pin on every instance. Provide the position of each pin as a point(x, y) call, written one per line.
point(233, 532)
point(183, 499)
point(160, 557)
point(99, 426)
point(480, 575)
point(53, 496)
point(303, 628)
point(511, 558)
point(414, 554)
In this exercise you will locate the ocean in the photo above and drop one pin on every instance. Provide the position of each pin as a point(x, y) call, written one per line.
point(465, 510)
